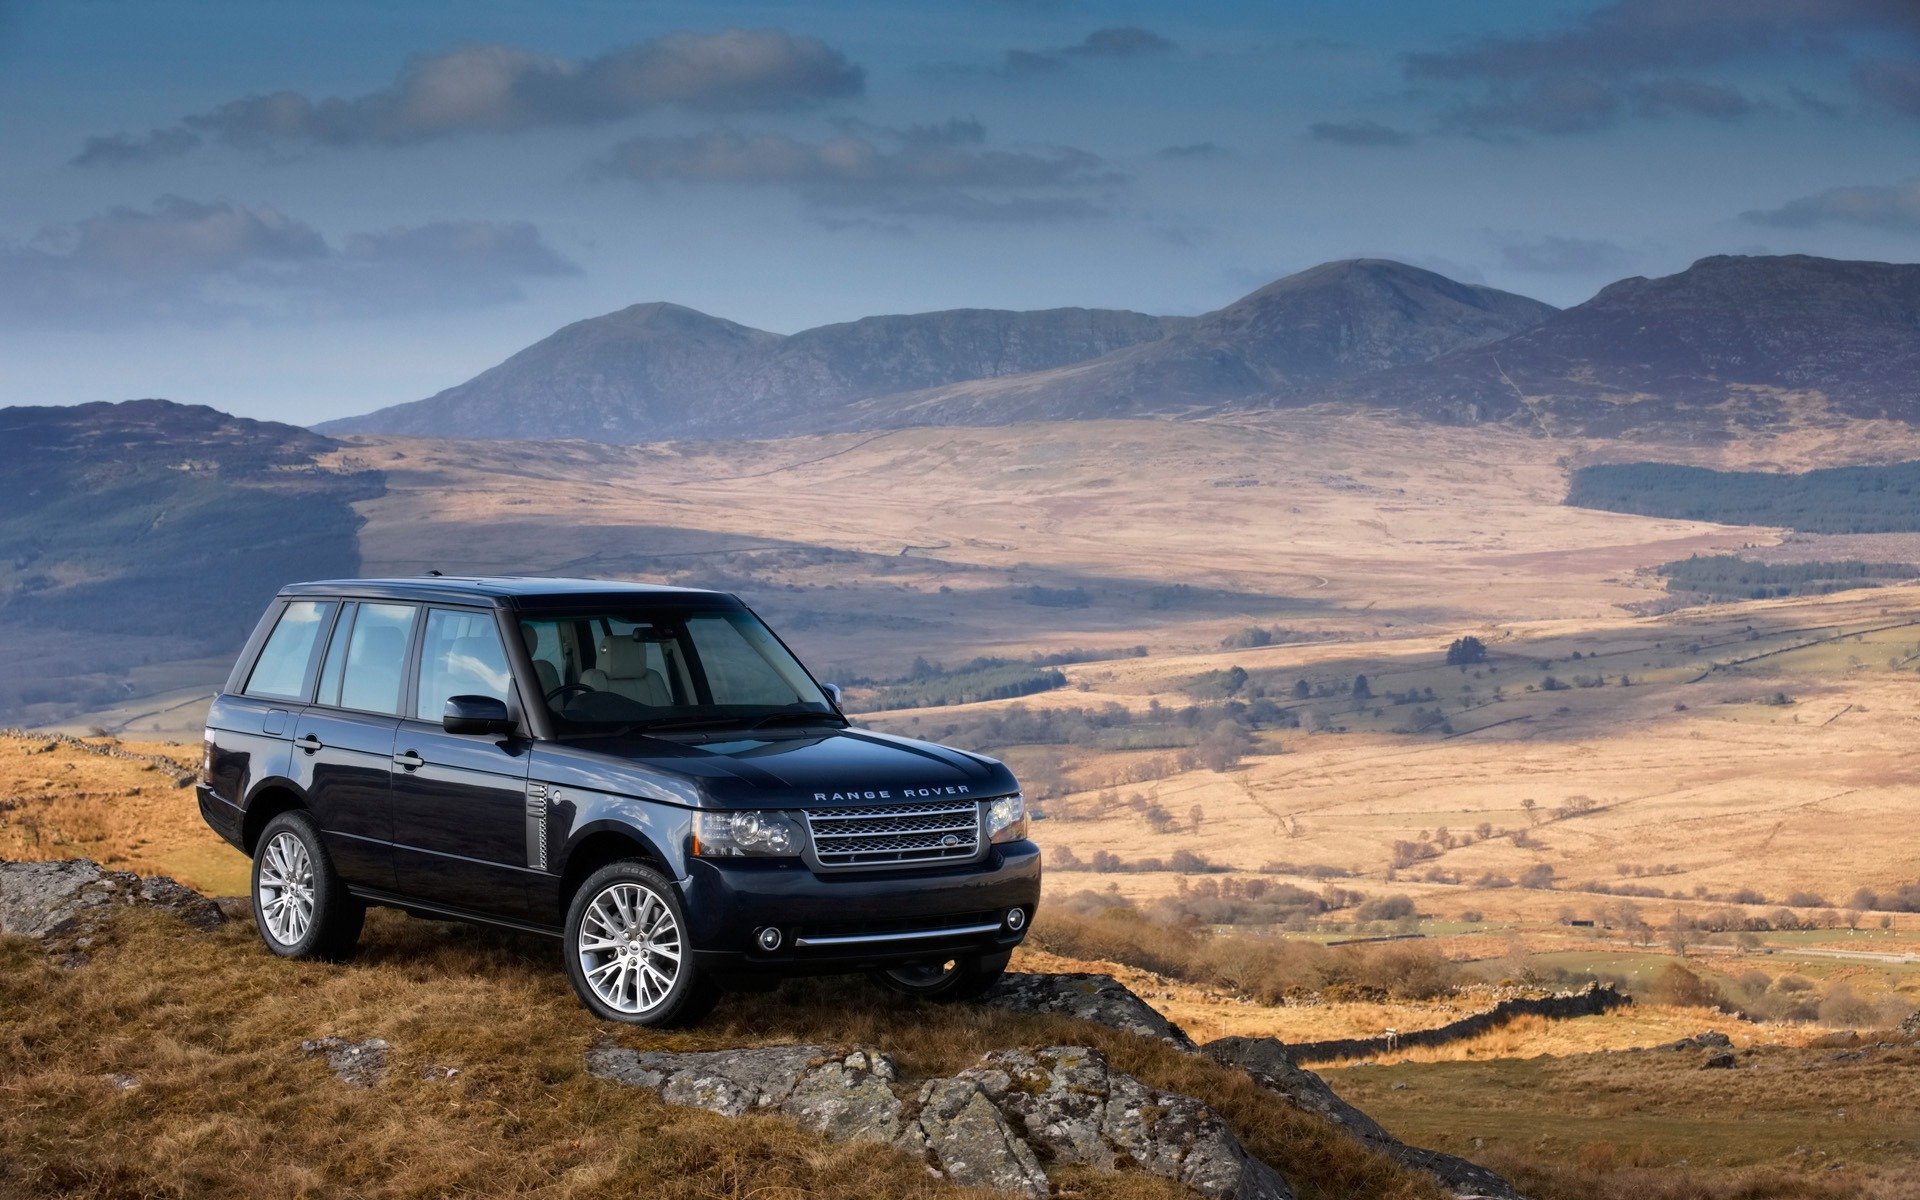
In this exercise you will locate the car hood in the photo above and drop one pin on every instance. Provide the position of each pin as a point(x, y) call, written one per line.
point(841, 768)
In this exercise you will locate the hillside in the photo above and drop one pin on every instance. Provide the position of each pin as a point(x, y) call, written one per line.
point(663, 371)
point(1281, 345)
point(150, 533)
point(1731, 344)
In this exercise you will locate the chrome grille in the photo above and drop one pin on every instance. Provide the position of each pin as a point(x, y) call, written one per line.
point(904, 833)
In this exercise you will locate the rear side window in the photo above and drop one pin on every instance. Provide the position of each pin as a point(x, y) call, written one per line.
point(377, 658)
point(284, 669)
point(462, 656)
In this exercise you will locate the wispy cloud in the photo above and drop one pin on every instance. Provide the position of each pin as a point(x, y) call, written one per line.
point(928, 170)
point(1894, 207)
point(490, 88)
point(1557, 254)
point(200, 262)
point(1114, 42)
point(1359, 133)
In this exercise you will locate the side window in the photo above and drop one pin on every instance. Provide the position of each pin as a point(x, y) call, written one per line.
point(461, 656)
point(336, 662)
point(377, 657)
point(285, 665)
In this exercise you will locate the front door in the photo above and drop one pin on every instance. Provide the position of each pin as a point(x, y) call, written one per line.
point(459, 800)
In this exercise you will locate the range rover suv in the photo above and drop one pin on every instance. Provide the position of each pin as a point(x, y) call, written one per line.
point(646, 772)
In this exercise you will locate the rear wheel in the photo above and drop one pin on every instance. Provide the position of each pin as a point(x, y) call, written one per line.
point(627, 951)
point(962, 977)
point(300, 906)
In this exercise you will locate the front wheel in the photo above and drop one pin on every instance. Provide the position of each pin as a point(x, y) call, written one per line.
point(627, 951)
point(964, 977)
point(300, 905)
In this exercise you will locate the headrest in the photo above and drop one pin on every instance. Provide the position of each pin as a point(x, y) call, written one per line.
point(622, 657)
point(530, 636)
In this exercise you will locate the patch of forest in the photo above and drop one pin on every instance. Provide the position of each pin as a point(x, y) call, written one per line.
point(1879, 499)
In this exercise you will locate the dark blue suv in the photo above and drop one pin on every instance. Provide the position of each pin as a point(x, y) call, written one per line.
point(647, 772)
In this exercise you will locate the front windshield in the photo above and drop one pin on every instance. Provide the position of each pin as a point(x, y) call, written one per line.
point(648, 667)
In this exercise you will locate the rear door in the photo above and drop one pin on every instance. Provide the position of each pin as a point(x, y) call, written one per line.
point(248, 729)
point(343, 742)
point(459, 800)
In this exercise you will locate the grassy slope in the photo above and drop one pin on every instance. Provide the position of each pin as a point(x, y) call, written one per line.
point(227, 1106)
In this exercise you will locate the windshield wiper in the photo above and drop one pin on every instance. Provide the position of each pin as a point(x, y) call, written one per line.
point(742, 723)
point(795, 718)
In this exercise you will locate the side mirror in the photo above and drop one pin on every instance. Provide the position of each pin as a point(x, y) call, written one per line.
point(476, 714)
point(833, 692)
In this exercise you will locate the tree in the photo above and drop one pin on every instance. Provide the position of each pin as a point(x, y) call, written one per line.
point(1197, 815)
point(1361, 690)
point(1466, 651)
point(1302, 690)
point(1532, 808)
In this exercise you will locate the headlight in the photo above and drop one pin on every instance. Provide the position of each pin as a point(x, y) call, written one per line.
point(1007, 818)
point(745, 834)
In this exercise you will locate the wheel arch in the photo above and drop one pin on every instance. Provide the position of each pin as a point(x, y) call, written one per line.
point(269, 798)
point(603, 842)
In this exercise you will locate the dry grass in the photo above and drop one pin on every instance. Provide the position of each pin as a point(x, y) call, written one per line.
point(227, 1106)
point(60, 800)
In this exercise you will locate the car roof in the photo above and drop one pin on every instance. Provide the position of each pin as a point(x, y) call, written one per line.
point(512, 591)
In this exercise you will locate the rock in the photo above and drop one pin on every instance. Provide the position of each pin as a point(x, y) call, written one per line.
point(1909, 1029)
point(990, 1126)
point(1710, 1040)
point(123, 1082)
point(846, 1097)
point(356, 1064)
point(967, 1140)
point(1068, 1100)
point(437, 1073)
point(1101, 999)
point(1266, 1062)
point(62, 902)
point(1722, 1060)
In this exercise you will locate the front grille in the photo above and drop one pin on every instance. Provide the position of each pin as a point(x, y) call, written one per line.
point(944, 831)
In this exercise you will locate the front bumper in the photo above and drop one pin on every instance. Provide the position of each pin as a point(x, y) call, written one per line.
point(853, 920)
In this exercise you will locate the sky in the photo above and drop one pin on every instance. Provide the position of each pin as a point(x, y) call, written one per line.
point(312, 208)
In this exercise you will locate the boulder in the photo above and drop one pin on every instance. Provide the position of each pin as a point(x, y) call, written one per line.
point(964, 1136)
point(1266, 1062)
point(1719, 1060)
point(1101, 999)
point(1710, 1040)
point(62, 900)
point(990, 1126)
point(1070, 1102)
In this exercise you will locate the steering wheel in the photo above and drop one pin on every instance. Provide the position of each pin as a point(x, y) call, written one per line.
point(566, 689)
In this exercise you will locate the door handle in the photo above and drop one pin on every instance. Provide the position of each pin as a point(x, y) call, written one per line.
point(410, 760)
point(309, 743)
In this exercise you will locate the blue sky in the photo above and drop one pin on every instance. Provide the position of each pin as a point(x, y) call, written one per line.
point(305, 209)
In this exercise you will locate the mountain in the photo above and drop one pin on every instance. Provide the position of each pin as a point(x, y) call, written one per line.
point(1732, 342)
point(1283, 344)
point(664, 371)
point(151, 532)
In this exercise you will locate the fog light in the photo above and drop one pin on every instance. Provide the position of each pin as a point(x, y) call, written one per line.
point(769, 938)
point(1016, 918)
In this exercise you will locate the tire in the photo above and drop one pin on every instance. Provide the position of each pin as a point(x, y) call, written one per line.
point(300, 907)
point(627, 952)
point(963, 977)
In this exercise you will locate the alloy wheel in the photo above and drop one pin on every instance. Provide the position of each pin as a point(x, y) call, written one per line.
point(629, 947)
point(286, 888)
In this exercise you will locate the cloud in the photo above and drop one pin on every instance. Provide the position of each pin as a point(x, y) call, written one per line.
point(1194, 151)
point(1558, 255)
point(1895, 207)
point(1359, 133)
point(1620, 59)
point(486, 88)
point(939, 170)
point(126, 149)
point(1583, 103)
point(1691, 97)
point(1115, 42)
point(207, 262)
point(1892, 82)
point(1626, 37)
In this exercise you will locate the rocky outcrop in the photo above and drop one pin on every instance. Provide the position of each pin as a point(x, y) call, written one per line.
point(1591, 1001)
point(62, 902)
point(356, 1064)
point(1267, 1062)
point(1101, 999)
point(993, 1125)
